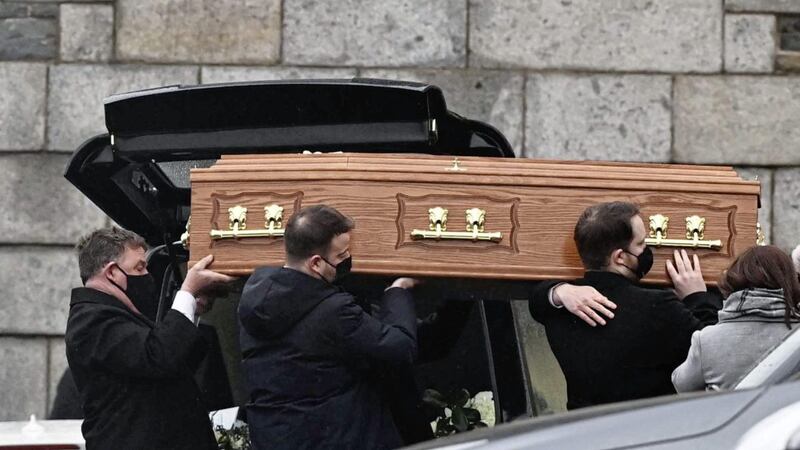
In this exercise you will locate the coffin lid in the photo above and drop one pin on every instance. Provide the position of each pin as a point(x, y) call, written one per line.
point(478, 170)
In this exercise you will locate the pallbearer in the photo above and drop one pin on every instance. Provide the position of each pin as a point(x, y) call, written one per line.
point(310, 352)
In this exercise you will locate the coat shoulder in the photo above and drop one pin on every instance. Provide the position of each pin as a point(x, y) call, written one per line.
point(338, 302)
point(86, 313)
point(656, 296)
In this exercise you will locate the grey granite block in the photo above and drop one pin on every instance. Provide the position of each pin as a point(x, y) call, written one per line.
point(199, 31)
point(363, 33)
point(742, 120)
point(22, 105)
point(775, 6)
point(786, 208)
point(87, 32)
point(28, 38)
point(36, 286)
point(598, 117)
point(23, 376)
point(749, 43)
point(39, 205)
point(19, 9)
point(664, 36)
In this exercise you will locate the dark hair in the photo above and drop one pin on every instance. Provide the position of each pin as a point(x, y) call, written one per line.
point(102, 246)
point(601, 229)
point(310, 231)
point(764, 267)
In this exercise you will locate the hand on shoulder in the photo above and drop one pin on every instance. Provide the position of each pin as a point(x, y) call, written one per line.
point(585, 302)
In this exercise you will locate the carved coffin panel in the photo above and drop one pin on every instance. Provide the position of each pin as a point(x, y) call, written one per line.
point(504, 219)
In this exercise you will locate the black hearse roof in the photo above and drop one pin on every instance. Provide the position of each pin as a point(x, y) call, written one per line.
point(122, 171)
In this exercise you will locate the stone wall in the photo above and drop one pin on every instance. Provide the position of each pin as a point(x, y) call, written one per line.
point(684, 81)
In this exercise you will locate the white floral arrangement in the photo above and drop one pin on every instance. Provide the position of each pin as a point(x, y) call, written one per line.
point(458, 412)
point(235, 438)
point(484, 403)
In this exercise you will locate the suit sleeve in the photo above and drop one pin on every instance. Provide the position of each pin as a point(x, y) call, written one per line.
point(539, 301)
point(113, 341)
point(689, 375)
point(704, 307)
point(389, 337)
point(676, 321)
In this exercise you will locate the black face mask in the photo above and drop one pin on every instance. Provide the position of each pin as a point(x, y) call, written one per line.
point(644, 262)
point(142, 293)
point(342, 269)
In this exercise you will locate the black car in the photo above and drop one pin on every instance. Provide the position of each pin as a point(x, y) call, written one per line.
point(138, 174)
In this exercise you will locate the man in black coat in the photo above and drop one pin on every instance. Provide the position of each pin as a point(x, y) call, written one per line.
point(135, 376)
point(437, 334)
point(633, 355)
point(310, 353)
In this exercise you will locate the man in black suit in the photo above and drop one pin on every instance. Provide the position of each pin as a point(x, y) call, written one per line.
point(311, 354)
point(633, 355)
point(135, 376)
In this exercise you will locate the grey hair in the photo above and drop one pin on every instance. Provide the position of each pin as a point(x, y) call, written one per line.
point(103, 246)
point(796, 259)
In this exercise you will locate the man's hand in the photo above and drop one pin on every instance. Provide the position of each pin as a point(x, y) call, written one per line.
point(585, 302)
point(405, 283)
point(686, 277)
point(200, 279)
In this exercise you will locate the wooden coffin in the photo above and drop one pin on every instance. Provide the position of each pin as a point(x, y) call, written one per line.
point(528, 208)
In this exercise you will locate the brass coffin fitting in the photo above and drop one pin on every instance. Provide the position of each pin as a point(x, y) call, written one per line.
point(761, 239)
point(456, 167)
point(186, 234)
point(237, 224)
point(438, 227)
point(695, 229)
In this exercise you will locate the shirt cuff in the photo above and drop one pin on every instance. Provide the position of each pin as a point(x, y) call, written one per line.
point(185, 304)
point(550, 294)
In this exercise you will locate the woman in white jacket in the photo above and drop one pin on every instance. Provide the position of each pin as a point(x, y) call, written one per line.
point(762, 293)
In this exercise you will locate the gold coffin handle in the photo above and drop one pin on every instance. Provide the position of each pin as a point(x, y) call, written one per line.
point(185, 236)
point(695, 228)
point(438, 227)
point(237, 224)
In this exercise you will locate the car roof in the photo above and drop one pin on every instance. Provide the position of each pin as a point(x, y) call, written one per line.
point(609, 426)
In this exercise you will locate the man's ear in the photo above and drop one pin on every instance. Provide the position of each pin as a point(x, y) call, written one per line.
point(314, 263)
point(617, 257)
point(109, 270)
